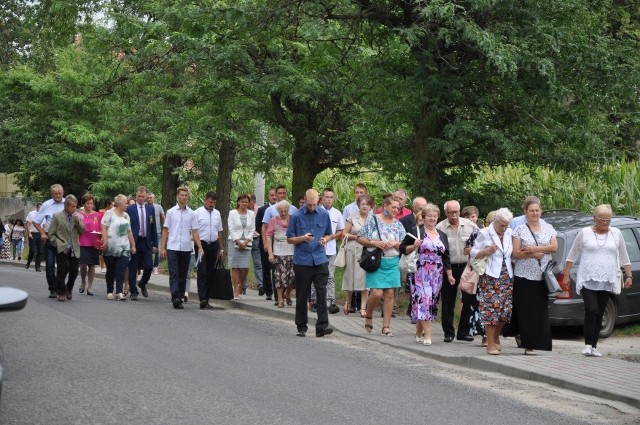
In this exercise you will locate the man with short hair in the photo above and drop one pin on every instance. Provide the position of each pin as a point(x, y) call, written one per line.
point(401, 195)
point(178, 229)
point(209, 224)
point(265, 265)
point(41, 223)
point(256, 258)
point(143, 227)
point(35, 242)
point(64, 236)
point(458, 230)
point(337, 226)
point(359, 190)
point(270, 212)
point(159, 219)
point(309, 230)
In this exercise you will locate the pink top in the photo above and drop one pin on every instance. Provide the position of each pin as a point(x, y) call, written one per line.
point(92, 224)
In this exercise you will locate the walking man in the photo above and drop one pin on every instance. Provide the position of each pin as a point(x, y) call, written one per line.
point(209, 227)
point(143, 227)
point(35, 241)
point(41, 223)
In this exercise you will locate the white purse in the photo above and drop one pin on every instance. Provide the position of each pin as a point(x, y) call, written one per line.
point(341, 256)
point(409, 262)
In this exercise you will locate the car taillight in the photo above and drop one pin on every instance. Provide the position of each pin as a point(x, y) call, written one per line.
point(566, 292)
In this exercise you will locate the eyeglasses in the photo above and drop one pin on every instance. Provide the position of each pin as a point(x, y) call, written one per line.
point(500, 225)
point(603, 220)
point(453, 212)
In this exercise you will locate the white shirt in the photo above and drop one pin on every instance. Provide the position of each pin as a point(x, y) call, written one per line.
point(179, 223)
point(350, 210)
point(273, 212)
point(337, 223)
point(29, 220)
point(208, 223)
point(47, 210)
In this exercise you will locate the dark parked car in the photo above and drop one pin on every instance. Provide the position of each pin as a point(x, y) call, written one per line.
point(568, 308)
point(10, 300)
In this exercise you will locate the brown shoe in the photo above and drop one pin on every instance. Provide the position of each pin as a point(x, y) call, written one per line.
point(69, 295)
point(61, 298)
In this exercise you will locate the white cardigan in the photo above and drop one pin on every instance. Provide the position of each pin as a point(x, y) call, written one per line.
point(487, 237)
point(236, 231)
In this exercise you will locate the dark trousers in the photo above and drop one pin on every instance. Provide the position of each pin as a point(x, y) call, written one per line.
point(156, 258)
point(116, 267)
point(595, 303)
point(304, 276)
point(448, 296)
point(141, 259)
point(205, 269)
point(267, 282)
point(68, 266)
point(35, 249)
point(178, 262)
point(50, 265)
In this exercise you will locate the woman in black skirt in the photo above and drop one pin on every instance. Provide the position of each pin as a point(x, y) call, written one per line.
point(533, 244)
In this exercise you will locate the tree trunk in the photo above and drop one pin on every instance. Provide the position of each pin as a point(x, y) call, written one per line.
point(170, 181)
point(305, 170)
point(427, 167)
point(226, 165)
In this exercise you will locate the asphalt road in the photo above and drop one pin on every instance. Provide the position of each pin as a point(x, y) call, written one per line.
point(93, 361)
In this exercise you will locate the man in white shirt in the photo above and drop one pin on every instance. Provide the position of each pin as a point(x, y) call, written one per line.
point(337, 226)
point(352, 208)
point(179, 227)
point(209, 224)
point(458, 230)
point(41, 223)
point(35, 242)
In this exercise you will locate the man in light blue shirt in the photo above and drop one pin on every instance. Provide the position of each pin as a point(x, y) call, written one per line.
point(42, 222)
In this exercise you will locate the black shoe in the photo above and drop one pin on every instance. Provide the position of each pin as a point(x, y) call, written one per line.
point(204, 305)
point(333, 309)
point(467, 338)
point(26, 267)
point(326, 331)
point(448, 338)
point(185, 299)
point(53, 294)
point(302, 333)
point(134, 297)
point(177, 304)
point(38, 270)
point(269, 298)
point(244, 291)
point(260, 291)
point(143, 291)
point(352, 310)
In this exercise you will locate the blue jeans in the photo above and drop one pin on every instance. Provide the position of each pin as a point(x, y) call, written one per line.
point(178, 262)
point(116, 267)
point(257, 261)
point(50, 264)
point(16, 248)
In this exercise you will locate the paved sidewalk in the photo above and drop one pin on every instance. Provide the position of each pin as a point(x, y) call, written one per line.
point(565, 367)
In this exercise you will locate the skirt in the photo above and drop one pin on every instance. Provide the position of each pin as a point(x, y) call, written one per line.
point(283, 276)
point(530, 317)
point(495, 298)
point(353, 277)
point(387, 276)
point(238, 259)
point(89, 255)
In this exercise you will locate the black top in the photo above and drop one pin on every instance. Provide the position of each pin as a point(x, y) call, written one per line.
point(408, 240)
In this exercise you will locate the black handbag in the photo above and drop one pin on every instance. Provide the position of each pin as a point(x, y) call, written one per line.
point(551, 283)
point(370, 260)
point(219, 282)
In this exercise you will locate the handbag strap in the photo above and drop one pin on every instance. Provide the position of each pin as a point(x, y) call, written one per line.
point(535, 240)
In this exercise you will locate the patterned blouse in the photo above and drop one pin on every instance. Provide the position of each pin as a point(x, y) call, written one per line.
point(277, 230)
point(529, 268)
point(117, 234)
point(390, 232)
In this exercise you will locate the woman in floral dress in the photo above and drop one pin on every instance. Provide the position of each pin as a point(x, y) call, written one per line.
point(281, 254)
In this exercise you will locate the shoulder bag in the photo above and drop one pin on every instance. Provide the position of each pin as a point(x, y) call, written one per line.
point(341, 256)
point(469, 279)
point(370, 260)
point(409, 262)
point(553, 287)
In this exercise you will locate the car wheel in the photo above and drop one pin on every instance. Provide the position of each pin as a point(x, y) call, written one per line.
point(609, 319)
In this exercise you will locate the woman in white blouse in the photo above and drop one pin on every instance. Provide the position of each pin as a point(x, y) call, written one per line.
point(533, 244)
point(602, 251)
point(241, 224)
point(495, 287)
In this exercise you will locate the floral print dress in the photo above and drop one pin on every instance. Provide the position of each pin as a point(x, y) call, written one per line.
point(427, 283)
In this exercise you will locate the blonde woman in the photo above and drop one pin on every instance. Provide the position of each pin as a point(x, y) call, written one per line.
point(118, 245)
point(241, 224)
point(353, 278)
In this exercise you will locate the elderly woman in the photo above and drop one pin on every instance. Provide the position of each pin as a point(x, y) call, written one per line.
point(89, 254)
point(385, 232)
point(495, 287)
point(533, 243)
point(603, 251)
point(117, 245)
point(281, 253)
point(433, 267)
point(353, 278)
point(241, 224)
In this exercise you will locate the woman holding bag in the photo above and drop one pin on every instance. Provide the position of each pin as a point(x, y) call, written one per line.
point(603, 251)
point(353, 278)
point(495, 287)
point(241, 224)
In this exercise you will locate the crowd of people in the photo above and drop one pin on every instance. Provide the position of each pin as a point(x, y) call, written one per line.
point(296, 248)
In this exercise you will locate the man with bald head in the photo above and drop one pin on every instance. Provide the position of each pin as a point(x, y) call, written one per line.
point(309, 230)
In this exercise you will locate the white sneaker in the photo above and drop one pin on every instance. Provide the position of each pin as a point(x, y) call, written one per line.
point(595, 353)
point(109, 296)
point(121, 297)
point(155, 270)
point(587, 351)
point(102, 270)
point(427, 342)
